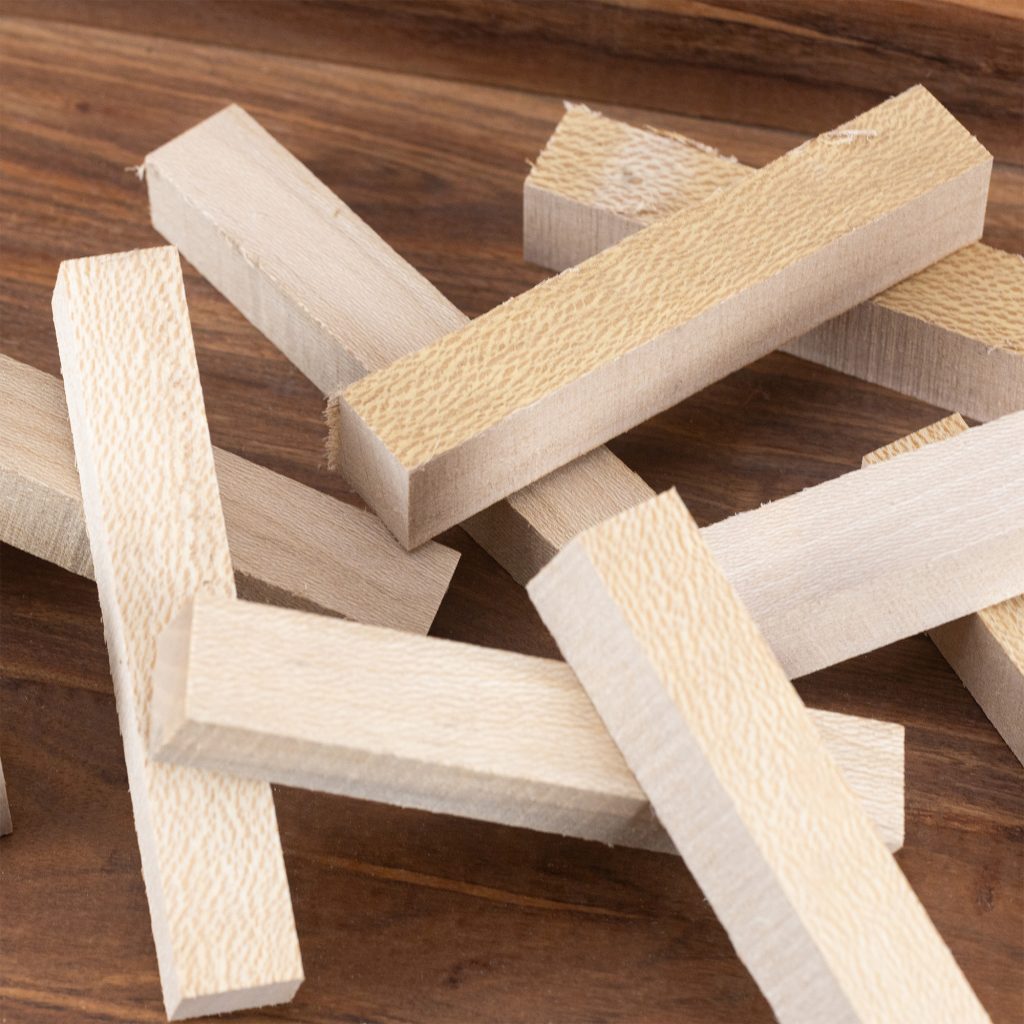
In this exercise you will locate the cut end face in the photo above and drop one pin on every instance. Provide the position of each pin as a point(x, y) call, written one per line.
point(376, 475)
point(253, 998)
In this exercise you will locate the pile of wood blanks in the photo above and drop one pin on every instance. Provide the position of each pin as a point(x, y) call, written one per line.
point(672, 725)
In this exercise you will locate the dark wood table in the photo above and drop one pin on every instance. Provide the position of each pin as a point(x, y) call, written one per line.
point(405, 916)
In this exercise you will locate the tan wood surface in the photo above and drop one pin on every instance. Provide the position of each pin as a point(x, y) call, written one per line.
point(403, 915)
point(952, 335)
point(548, 376)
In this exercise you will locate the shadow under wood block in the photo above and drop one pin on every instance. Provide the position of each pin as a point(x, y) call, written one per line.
point(290, 544)
point(445, 432)
point(428, 723)
point(815, 906)
point(339, 302)
point(952, 335)
point(211, 856)
point(986, 649)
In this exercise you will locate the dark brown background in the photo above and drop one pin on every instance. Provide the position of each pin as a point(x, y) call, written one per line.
point(406, 916)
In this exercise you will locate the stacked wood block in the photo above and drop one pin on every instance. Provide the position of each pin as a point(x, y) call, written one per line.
point(445, 432)
point(952, 335)
point(672, 725)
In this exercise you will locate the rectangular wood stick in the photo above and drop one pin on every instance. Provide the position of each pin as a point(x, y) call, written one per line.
point(432, 724)
point(884, 552)
point(338, 301)
point(211, 856)
point(952, 335)
point(290, 545)
point(551, 374)
point(717, 737)
point(986, 649)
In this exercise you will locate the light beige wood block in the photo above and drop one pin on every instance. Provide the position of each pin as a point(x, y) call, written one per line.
point(717, 737)
point(422, 722)
point(952, 335)
point(6, 825)
point(290, 545)
point(883, 552)
point(211, 856)
point(986, 650)
point(551, 374)
point(339, 302)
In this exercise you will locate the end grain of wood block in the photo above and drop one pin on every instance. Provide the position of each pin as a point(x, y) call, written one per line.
point(866, 559)
point(445, 432)
point(339, 302)
point(422, 722)
point(717, 737)
point(290, 544)
point(986, 650)
point(211, 855)
point(952, 335)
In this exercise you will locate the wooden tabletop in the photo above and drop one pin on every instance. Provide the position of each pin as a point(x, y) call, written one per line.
point(406, 916)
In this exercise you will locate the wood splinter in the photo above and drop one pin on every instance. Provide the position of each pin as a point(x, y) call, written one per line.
point(6, 825)
point(815, 906)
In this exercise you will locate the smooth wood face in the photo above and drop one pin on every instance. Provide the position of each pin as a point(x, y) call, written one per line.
point(221, 914)
point(867, 558)
point(642, 325)
point(522, 926)
point(789, 64)
point(986, 649)
point(314, 278)
point(951, 334)
point(721, 743)
point(290, 545)
point(421, 722)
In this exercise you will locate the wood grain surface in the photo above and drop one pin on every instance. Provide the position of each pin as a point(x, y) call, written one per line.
point(404, 916)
